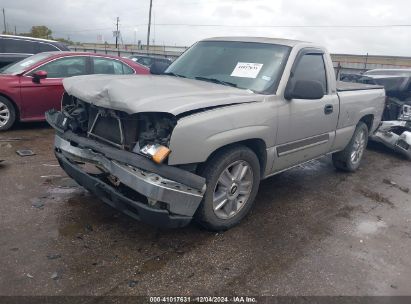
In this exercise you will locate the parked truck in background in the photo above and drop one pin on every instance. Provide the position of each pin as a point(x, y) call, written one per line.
point(196, 141)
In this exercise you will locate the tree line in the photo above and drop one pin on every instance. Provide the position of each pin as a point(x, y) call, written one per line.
point(42, 31)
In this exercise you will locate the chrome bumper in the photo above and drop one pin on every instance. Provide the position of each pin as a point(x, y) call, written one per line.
point(181, 200)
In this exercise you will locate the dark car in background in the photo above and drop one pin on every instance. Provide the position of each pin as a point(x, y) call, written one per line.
point(16, 48)
point(148, 61)
point(34, 85)
point(390, 72)
point(397, 85)
point(397, 82)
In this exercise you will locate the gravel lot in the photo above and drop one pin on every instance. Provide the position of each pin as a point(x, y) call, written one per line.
point(313, 231)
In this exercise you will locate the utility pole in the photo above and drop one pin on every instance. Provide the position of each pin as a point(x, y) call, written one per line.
point(117, 34)
point(149, 24)
point(15, 30)
point(365, 64)
point(4, 21)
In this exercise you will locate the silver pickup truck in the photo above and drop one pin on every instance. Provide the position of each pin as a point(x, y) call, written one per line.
point(195, 141)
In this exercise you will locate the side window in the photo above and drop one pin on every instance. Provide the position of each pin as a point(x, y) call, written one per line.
point(311, 67)
point(18, 46)
point(110, 66)
point(127, 69)
point(45, 47)
point(144, 61)
point(165, 61)
point(65, 67)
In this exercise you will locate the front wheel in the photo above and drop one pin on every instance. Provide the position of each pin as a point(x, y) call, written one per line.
point(7, 114)
point(349, 159)
point(233, 177)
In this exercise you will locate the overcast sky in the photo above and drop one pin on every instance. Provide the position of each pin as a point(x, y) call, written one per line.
point(85, 20)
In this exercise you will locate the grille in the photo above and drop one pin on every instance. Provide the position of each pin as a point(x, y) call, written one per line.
point(113, 127)
point(401, 143)
point(108, 129)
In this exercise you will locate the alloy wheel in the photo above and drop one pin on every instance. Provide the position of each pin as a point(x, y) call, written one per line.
point(4, 114)
point(233, 189)
point(358, 147)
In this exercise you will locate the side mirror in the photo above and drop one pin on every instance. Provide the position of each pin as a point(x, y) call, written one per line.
point(38, 75)
point(158, 68)
point(304, 89)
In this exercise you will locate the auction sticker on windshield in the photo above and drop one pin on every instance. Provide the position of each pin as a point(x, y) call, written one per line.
point(247, 69)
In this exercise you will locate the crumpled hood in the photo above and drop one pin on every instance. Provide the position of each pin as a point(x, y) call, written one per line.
point(154, 93)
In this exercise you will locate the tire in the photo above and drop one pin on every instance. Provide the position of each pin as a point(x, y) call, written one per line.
point(349, 159)
point(7, 114)
point(215, 214)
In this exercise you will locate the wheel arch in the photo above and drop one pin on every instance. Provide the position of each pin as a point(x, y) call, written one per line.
point(256, 145)
point(368, 120)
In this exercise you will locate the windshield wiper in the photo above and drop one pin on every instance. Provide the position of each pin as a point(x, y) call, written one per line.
point(215, 80)
point(174, 74)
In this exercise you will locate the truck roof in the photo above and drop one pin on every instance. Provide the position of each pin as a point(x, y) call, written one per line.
point(287, 42)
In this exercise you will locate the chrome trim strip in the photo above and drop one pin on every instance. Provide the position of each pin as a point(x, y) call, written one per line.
point(302, 144)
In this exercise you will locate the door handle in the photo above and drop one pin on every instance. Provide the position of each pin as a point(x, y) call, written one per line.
point(328, 109)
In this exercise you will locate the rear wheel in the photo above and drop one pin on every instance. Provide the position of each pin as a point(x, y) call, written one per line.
point(350, 158)
point(7, 114)
point(233, 177)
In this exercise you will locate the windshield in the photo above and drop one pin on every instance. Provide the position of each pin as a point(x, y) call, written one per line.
point(23, 65)
point(246, 65)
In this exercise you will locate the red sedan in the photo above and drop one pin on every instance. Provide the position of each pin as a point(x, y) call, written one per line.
point(32, 86)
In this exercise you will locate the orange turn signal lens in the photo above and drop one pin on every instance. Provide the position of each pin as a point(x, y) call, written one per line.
point(161, 154)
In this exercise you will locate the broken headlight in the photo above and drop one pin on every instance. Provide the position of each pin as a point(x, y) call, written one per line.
point(154, 135)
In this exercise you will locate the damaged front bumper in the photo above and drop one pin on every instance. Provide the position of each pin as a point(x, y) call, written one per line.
point(126, 184)
point(396, 135)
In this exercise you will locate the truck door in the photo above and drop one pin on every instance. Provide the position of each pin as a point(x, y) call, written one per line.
point(306, 127)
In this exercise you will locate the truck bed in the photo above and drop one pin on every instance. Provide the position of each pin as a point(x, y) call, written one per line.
point(352, 86)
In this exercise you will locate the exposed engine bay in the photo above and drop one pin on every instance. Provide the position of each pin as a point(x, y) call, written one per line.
point(117, 128)
point(122, 158)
